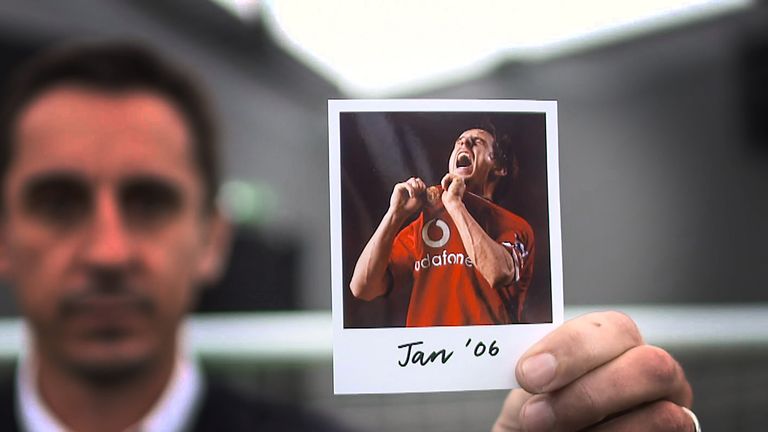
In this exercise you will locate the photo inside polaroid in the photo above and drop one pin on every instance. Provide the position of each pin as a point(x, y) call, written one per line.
point(484, 262)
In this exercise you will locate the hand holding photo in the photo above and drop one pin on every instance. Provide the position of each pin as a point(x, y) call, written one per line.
point(436, 268)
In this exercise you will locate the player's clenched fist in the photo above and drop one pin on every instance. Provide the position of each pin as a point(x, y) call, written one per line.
point(453, 187)
point(407, 197)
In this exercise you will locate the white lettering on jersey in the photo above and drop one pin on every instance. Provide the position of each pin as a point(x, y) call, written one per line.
point(442, 259)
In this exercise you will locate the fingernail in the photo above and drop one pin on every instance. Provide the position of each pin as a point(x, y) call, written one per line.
point(538, 416)
point(538, 371)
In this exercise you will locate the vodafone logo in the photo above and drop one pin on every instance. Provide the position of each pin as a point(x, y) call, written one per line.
point(439, 259)
point(446, 233)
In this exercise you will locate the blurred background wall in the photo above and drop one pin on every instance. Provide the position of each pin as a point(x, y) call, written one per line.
point(663, 156)
point(663, 147)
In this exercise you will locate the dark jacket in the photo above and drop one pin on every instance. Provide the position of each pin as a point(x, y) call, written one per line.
point(221, 409)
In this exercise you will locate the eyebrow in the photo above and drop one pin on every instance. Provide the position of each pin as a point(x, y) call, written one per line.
point(71, 176)
point(62, 176)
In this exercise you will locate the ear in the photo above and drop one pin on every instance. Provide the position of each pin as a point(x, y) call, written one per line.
point(499, 171)
point(218, 241)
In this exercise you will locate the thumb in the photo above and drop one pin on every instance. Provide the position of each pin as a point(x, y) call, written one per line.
point(446, 181)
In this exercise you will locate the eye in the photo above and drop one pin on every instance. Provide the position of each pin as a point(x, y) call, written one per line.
point(149, 201)
point(60, 200)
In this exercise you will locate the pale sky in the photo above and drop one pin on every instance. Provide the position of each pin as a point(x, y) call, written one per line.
point(389, 47)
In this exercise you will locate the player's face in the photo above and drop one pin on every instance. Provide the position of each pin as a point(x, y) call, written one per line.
point(473, 158)
point(104, 234)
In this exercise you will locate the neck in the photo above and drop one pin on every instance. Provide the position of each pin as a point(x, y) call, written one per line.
point(483, 190)
point(86, 403)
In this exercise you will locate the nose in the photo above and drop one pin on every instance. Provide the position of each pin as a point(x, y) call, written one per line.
point(109, 243)
point(466, 142)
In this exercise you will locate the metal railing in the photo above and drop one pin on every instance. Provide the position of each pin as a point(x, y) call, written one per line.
point(306, 336)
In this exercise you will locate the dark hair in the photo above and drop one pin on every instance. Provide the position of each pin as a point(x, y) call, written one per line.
point(113, 67)
point(503, 155)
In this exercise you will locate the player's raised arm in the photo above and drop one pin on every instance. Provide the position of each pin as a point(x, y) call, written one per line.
point(492, 260)
point(370, 278)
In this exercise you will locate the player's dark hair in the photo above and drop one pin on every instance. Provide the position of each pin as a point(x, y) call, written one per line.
point(504, 156)
point(113, 67)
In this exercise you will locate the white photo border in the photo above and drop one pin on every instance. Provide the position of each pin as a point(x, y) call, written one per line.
point(366, 360)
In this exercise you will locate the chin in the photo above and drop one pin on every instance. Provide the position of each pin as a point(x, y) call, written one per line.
point(469, 179)
point(111, 362)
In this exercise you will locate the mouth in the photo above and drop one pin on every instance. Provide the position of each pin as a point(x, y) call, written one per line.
point(463, 160)
point(106, 306)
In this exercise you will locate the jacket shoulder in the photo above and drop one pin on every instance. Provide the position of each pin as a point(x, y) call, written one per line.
point(9, 421)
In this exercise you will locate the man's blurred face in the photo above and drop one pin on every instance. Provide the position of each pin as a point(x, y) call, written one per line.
point(474, 160)
point(104, 233)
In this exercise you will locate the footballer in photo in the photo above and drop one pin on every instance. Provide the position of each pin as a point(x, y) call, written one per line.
point(445, 218)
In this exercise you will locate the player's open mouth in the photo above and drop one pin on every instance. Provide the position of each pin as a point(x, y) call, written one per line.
point(463, 161)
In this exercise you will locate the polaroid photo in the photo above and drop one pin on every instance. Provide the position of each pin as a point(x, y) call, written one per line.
point(445, 241)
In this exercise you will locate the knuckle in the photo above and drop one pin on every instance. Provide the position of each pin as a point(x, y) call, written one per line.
point(578, 405)
point(623, 324)
point(660, 366)
point(587, 400)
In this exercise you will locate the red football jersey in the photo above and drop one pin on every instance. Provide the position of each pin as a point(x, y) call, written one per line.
point(446, 287)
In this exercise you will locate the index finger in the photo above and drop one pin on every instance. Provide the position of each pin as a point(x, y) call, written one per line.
point(509, 417)
point(577, 347)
